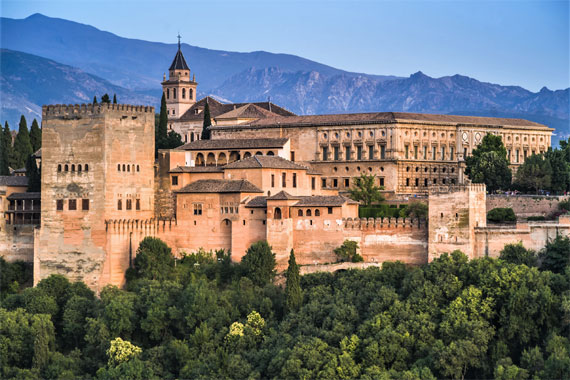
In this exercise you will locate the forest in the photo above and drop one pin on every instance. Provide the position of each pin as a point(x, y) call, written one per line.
point(203, 316)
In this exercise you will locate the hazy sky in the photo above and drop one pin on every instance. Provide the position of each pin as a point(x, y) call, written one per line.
point(523, 43)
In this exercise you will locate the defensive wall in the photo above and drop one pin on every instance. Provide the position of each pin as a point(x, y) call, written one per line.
point(526, 205)
point(17, 242)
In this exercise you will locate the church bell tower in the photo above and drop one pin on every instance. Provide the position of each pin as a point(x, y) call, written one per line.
point(179, 90)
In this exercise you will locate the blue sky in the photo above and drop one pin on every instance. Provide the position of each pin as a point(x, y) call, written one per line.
point(522, 43)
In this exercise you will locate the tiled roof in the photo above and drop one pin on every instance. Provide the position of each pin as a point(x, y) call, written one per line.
point(10, 180)
point(220, 186)
point(248, 111)
point(388, 117)
point(324, 201)
point(33, 195)
point(197, 169)
point(282, 195)
point(257, 202)
point(272, 162)
point(234, 144)
point(179, 63)
point(217, 108)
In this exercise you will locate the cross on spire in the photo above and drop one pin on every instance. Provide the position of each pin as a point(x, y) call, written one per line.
point(178, 40)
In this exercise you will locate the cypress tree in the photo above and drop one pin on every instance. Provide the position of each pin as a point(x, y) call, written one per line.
point(114, 98)
point(35, 136)
point(294, 297)
point(207, 123)
point(22, 144)
point(105, 99)
point(94, 100)
point(161, 131)
point(6, 147)
point(33, 174)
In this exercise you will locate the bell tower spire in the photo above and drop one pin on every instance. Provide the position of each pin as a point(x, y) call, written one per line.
point(179, 90)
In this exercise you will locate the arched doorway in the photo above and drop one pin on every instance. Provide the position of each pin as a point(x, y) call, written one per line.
point(200, 159)
point(226, 235)
point(211, 160)
point(222, 160)
point(277, 213)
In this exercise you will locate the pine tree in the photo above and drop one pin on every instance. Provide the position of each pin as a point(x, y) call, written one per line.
point(94, 100)
point(161, 130)
point(207, 123)
point(35, 136)
point(33, 174)
point(114, 98)
point(294, 297)
point(22, 145)
point(105, 99)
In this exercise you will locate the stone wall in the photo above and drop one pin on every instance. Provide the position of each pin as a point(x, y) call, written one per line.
point(526, 205)
point(17, 242)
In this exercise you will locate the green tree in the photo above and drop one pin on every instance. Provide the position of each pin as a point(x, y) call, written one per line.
point(154, 260)
point(488, 164)
point(534, 174)
point(173, 140)
point(259, 263)
point(417, 210)
point(365, 190)
point(33, 174)
point(105, 99)
point(114, 98)
point(517, 254)
point(558, 159)
point(35, 136)
point(293, 294)
point(119, 311)
point(22, 144)
point(6, 152)
point(207, 123)
point(161, 133)
point(556, 255)
point(348, 252)
point(94, 100)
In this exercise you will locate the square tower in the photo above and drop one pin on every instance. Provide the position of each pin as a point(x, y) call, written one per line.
point(179, 90)
point(97, 165)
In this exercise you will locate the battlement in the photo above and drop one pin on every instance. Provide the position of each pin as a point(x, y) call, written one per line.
point(138, 224)
point(441, 189)
point(78, 111)
point(384, 223)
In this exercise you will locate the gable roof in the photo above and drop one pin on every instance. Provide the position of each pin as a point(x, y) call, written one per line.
point(248, 111)
point(197, 169)
point(227, 144)
point(11, 180)
point(388, 117)
point(257, 202)
point(272, 162)
point(220, 186)
point(282, 195)
point(179, 63)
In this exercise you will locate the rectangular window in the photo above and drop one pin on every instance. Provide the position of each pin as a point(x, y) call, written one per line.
point(198, 209)
point(359, 152)
point(284, 180)
point(443, 152)
point(433, 152)
point(347, 150)
point(335, 183)
point(407, 148)
point(370, 152)
point(325, 153)
point(323, 183)
point(330, 210)
point(382, 152)
point(381, 181)
point(72, 204)
point(272, 180)
point(313, 183)
point(119, 204)
point(407, 182)
point(464, 152)
point(415, 152)
point(174, 180)
point(525, 153)
point(509, 155)
point(294, 179)
point(451, 153)
point(336, 153)
point(292, 156)
point(137, 204)
point(85, 204)
point(517, 155)
point(346, 182)
point(129, 204)
point(59, 205)
point(417, 182)
point(425, 152)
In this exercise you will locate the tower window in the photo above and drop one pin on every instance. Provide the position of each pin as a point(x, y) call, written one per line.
point(119, 204)
point(72, 204)
point(59, 205)
point(313, 185)
point(129, 204)
point(167, 93)
point(59, 167)
point(138, 204)
point(183, 93)
point(86, 167)
point(85, 204)
point(284, 179)
point(190, 94)
point(118, 167)
point(294, 179)
point(174, 180)
point(173, 93)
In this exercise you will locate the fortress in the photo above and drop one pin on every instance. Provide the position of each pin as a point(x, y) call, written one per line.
point(265, 174)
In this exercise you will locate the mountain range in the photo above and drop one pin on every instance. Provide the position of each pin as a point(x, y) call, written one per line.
point(49, 60)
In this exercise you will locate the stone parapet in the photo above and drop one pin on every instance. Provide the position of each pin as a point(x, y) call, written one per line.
point(78, 111)
point(384, 223)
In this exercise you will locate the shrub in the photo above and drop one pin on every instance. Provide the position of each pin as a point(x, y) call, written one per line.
point(564, 205)
point(347, 252)
point(536, 218)
point(380, 211)
point(417, 210)
point(500, 214)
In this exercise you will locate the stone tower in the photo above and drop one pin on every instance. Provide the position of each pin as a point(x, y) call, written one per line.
point(97, 165)
point(179, 90)
point(454, 213)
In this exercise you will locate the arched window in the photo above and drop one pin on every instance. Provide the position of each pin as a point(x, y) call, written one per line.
point(211, 160)
point(72, 167)
point(300, 213)
point(183, 93)
point(270, 153)
point(118, 167)
point(222, 160)
point(138, 168)
point(128, 168)
point(59, 167)
point(200, 159)
point(86, 167)
point(124, 168)
point(79, 168)
point(277, 213)
point(167, 93)
point(190, 94)
point(66, 168)
point(258, 154)
point(119, 205)
point(308, 213)
point(317, 212)
point(246, 155)
point(173, 93)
